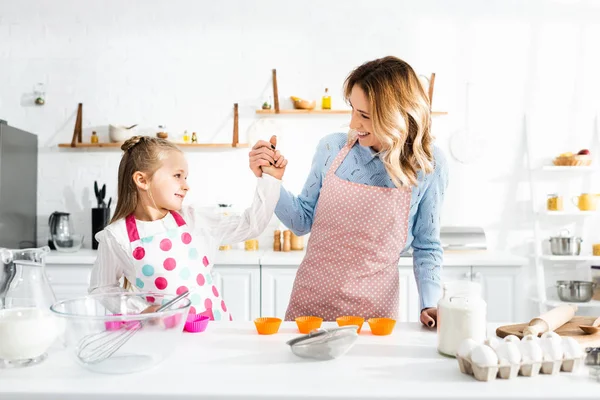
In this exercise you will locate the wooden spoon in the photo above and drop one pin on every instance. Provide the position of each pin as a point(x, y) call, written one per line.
point(591, 329)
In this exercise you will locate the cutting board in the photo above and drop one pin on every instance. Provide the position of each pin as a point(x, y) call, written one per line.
point(571, 328)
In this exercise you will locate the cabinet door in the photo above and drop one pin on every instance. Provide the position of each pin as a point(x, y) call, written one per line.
point(239, 286)
point(500, 291)
point(276, 287)
point(69, 281)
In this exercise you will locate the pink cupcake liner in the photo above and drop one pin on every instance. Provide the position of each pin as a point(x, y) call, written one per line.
point(196, 323)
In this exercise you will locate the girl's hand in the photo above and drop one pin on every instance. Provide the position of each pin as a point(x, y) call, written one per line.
point(429, 317)
point(278, 169)
point(262, 155)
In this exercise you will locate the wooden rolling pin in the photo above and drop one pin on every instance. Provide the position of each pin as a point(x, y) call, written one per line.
point(551, 320)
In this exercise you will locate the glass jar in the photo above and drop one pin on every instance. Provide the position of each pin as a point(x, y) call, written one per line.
point(596, 279)
point(461, 315)
point(27, 328)
point(554, 202)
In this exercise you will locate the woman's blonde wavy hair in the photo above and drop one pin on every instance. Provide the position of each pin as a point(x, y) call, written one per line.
point(401, 116)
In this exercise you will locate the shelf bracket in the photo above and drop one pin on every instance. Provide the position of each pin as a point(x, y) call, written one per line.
point(235, 125)
point(275, 94)
point(77, 132)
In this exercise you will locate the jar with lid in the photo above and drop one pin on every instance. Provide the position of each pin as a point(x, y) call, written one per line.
point(554, 202)
point(461, 315)
point(596, 279)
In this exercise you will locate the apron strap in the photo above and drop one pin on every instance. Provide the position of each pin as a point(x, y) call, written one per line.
point(132, 231)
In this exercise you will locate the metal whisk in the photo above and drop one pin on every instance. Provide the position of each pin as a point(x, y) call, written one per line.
point(97, 347)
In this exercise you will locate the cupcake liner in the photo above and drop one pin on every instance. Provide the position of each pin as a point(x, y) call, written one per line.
point(551, 367)
point(464, 364)
point(267, 326)
point(351, 320)
point(307, 324)
point(485, 374)
point(530, 369)
point(381, 326)
point(196, 323)
point(508, 371)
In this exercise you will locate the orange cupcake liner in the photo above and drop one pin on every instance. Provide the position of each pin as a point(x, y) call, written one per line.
point(267, 326)
point(308, 323)
point(351, 320)
point(381, 326)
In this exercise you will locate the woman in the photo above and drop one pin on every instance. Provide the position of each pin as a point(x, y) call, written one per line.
point(370, 195)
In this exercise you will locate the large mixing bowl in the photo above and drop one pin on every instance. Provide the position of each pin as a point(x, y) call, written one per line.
point(111, 324)
point(575, 291)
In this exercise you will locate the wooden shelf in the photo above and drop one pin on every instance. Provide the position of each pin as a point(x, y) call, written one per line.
point(559, 168)
point(186, 145)
point(319, 111)
point(573, 259)
point(569, 213)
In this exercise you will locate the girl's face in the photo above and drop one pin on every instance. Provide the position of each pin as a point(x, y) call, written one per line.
point(169, 183)
point(361, 119)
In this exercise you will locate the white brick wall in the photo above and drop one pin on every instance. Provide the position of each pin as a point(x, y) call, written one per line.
point(184, 63)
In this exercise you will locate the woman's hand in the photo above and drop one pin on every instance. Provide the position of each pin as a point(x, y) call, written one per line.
point(429, 317)
point(278, 168)
point(262, 155)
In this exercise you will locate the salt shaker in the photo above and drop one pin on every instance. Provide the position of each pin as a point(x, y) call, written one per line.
point(287, 243)
point(277, 241)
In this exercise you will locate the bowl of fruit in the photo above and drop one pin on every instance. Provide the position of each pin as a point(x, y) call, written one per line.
point(581, 159)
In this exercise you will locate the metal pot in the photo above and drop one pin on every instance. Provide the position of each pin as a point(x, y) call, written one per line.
point(575, 291)
point(565, 245)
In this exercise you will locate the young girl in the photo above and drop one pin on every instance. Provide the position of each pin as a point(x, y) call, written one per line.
point(158, 245)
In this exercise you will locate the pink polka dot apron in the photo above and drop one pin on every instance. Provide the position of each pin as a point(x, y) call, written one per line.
point(351, 262)
point(172, 262)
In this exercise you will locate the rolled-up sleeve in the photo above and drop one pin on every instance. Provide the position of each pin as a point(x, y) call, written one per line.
point(427, 247)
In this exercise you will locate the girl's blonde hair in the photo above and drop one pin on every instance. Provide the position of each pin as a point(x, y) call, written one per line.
point(401, 116)
point(140, 153)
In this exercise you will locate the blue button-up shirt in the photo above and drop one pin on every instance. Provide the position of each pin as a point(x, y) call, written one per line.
point(362, 165)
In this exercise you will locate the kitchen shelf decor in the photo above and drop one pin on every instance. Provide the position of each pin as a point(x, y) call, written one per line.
point(546, 297)
point(278, 110)
point(76, 142)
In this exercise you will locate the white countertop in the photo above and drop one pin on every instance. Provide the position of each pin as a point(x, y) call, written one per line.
point(231, 361)
point(294, 258)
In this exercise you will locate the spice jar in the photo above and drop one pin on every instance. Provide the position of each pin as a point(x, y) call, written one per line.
point(251, 245)
point(296, 242)
point(461, 315)
point(596, 249)
point(94, 138)
point(596, 279)
point(554, 202)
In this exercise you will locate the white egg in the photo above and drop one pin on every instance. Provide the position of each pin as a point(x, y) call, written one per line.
point(512, 339)
point(552, 348)
point(530, 338)
point(572, 349)
point(531, 350)
point(492, 341)
point(465, 348)
point(551, 335)
point(484, 356)
point(508, 353)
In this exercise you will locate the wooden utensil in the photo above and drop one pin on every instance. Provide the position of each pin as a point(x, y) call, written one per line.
point(551, 320)
point(591, 329)
point(570, 329)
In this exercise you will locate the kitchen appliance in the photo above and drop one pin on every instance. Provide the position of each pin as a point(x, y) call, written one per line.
point(575, 291)
point(565, 245)
point(60, 230)
point(459, 238)
point(18, 187)
point(27, 329)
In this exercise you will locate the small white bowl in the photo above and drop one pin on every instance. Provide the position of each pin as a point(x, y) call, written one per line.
point(120, 133)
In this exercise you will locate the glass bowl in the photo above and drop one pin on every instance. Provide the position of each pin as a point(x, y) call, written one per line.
point(71, 245)
point(106, 332)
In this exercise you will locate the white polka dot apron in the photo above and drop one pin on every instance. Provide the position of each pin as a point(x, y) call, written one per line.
point(351, 262)
point(173, 262)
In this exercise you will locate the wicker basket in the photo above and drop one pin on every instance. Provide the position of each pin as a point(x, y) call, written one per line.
point(573, 161)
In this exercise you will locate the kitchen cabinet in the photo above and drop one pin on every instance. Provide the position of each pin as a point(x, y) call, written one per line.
point(239, 285)
point(69, 281)
point(276, 288)
point(501, 291)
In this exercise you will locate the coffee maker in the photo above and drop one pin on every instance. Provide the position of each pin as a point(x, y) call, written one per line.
point(60, 230)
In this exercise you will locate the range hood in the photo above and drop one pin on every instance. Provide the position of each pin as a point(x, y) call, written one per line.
point(463, 238)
